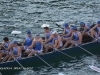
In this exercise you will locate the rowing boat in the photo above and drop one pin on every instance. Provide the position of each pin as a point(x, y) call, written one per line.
point(54, 56)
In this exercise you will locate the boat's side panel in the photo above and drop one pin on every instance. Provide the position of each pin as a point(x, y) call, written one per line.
point(55, 56)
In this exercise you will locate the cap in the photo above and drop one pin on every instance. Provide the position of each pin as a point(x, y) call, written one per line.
point(54, 32)
point(15, 42)
point(74, 28)
point(81, 23)
point(66, 25)
point(28, 32)
point(98, 22)
point(38, 34)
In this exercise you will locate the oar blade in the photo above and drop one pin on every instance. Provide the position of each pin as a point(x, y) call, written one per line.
point(95, 68)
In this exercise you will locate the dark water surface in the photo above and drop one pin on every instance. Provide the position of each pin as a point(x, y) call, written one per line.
point(26, 15)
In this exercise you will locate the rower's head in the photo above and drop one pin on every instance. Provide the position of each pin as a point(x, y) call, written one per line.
point(46, 29)
point(29, 34)
point(66, 25)
point(38, 36)
point(15, 43)
point(82, 24)
point(55, 34)
point(74, 29)
point(98, 23)
point(6, 39)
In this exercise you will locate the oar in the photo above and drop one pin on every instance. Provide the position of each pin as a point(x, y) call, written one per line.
point(83, 49)
point(17, 61)
point(91, 66)
point(20, 63)
point(64, 54)
point(46, 63)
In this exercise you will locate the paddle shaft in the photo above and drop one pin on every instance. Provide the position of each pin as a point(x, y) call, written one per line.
point(17, 61)
point(65, 54)
point(84, 49)
point(45, 62)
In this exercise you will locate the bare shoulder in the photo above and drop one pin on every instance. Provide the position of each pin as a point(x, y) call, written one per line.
point(80, 34)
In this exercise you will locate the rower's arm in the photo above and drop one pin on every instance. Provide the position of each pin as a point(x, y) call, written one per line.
point(45, 38)
point(9, 47)
point(31, 46)
point(69, 33)
point(41, 40)
point(2, 45)
point(64, 31)
point(58, 44)
point(85, 28)
point(71, 36)
point(51, 37)
point(19, 52)
point(55, 45)
point(94, 27)
point(24, 42)
point(80, 37)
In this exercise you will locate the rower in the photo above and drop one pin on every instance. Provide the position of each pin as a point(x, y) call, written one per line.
point(48, 39)
point(95, 31)
point(38, 44)
point(77, 36)
point(28, 41)
point(86, 28)
point(16, 53)
point(67, 32)
point(7, 47)
point(56, 43)
point(48, 35)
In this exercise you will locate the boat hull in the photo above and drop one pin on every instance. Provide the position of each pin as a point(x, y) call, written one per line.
point(55, 56)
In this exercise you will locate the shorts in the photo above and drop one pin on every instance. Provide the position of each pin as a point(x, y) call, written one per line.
point(18, 57)
point(78, 43)
point(40, 51)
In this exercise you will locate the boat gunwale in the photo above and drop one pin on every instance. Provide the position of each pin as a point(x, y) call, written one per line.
point(45, 53)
